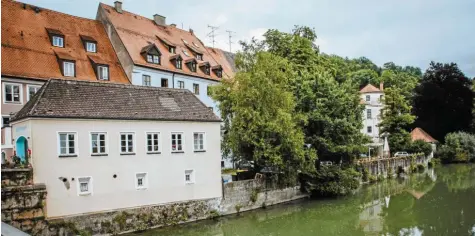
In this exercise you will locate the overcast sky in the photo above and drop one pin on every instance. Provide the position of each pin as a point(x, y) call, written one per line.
point(407, 32)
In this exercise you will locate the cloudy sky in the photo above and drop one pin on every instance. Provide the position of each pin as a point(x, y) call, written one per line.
point(407, 32)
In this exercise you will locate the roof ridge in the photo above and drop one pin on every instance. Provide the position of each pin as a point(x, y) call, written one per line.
point(54, 11)
point(109, 84)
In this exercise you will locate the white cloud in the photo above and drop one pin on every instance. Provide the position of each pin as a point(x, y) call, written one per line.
point(221, 19)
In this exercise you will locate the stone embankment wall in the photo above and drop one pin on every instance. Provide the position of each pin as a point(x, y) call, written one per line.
point(23, 206)
point(380, 167)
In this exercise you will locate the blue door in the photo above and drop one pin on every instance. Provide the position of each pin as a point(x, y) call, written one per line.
point(22, 148)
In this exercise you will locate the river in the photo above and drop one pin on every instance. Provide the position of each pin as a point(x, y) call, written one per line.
point(440, 201)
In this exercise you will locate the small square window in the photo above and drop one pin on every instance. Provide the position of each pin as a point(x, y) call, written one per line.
point(141, 181)
point(189, 177)
point(127, 143)
point(146, 80)
point(90, 46)
point(199, 141)
point(369, 129)
point(368, 98)
point(103, 72)
point(98, 143)
point(164, 83)
point(67, 144)
point(84, 186)
point(58, 41)
point(196, 89)
point(69, 69)
point(177, 142)
point(181, 84)
point(153, 140)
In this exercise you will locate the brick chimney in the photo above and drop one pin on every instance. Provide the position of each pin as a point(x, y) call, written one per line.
point(191, 31)
point(159, 20)
point(381, 86)
point(173, 25)
point(118, 6)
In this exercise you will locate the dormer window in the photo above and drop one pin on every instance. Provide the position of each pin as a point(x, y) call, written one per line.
point(172, 50)
point(100, 67)
point(103, 72)
point(176, 60)
point(191, 63)
point(90, 47)
point(69, 68)
point(151, 54)
point(58, 41)
point(205, 67)
point(178, 64)
point(56, 37)
point(90, 44)
point(218, 70)
point(199, 57)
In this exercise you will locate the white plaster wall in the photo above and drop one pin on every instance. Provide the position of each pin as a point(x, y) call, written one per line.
point(375, 104)
point(166, 181)
point(157, 76)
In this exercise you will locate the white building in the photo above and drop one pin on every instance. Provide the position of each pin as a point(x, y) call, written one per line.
point(371, 97)
point(101, 147)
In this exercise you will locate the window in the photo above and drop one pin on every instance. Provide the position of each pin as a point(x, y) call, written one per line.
point(84, 185)
point(172, 50)
point(208, 90)
point(196, 89)
point(186, 53)
point(177, 142)
point(103, 72)
point(153, 59)
point(199, 57)
point(153, 142)
point(189, 177)
point(90, 47)
point(207, 71)
point(199, 141)
point(368, 98)
point(178, 64)
point(149, 58)
point(5, 121)
point(368, 114)
point(127, 143)
point(67, 144)
point(381, 98)
point(68, 69)
point(219, 73)
point(164, 83)
point(369, 129)
point(12, 93)
point(181, 84)
point(141, 181)
point(146, 80)
point(193, 66)
point(58, 41)
point(32, 89)
point(98, 143)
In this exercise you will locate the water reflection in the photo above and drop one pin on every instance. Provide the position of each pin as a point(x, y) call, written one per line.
point(439, 202)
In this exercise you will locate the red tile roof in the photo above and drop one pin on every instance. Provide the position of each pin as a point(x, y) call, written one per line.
point(369, 88)
point(420, 134)
point(136, 32)
point(27, 51)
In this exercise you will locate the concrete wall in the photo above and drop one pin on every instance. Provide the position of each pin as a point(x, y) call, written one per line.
point(165, 171)
point(380, 167)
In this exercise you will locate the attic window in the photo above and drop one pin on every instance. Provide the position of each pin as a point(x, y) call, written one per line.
point(56, 37)
point(103, 72)
point(58, 41)
point(90, 47)
point(172, 50)
point(191, 64)
point(205, 67)
point(218, 70)
point(90, 44)
point(184, 41)
point(199, 57)
point(153, 59)
point(151, 54)
point(186, 53)
point(178, 63)
point(69, 68)
point(196, 45)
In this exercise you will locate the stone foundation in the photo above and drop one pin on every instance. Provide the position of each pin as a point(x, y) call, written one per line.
point(380, 167)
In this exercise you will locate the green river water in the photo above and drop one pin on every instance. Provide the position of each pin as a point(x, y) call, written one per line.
point(440, 201)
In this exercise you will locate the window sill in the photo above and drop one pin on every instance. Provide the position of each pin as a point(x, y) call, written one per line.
point(85, 194)
point(178, 151)
point(154, 152)
point(199, 151)
point(99, 154)
point(13, 103)
point(65, 156)
point(189, 183)
point(141, 189)
point(127, 154)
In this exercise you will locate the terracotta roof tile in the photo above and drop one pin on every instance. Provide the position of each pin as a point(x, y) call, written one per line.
point(98, 100)
point(136, 31)
point(369, 88)
point(26, 44)
point(420, 134)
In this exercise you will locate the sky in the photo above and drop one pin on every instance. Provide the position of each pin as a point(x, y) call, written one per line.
point(406, 32)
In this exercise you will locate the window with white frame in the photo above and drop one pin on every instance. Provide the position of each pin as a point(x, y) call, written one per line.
point(127, 143)
point(103, 72)
point(90, 47)
point(368, 114)
point(181, 84)
point(84, 185)
point(177, 142)
point(155, 59)
point(98, 143)
point(68, 68)
point(32, 89)
point(199, 141)
point(369, 129)
point(12, 93)
point(153, 140)
point(196, 89)
point(146, 80)
point(141, 181)
point(67, 144)
point(368, 98)
point(58, 41)
point(189, 177)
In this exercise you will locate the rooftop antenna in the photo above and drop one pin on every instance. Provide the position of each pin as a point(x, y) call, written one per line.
point(212, 34)
point(230, 33)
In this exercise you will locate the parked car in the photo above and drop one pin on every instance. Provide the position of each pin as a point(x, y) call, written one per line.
point(401, 154)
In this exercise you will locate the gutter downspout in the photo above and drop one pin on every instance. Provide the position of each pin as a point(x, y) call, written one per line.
point(173, 80)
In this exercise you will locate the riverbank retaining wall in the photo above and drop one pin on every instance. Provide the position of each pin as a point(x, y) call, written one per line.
point(23, 206)
point(381, 167)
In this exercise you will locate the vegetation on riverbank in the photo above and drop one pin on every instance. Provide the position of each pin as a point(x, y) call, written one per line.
point(458, 147)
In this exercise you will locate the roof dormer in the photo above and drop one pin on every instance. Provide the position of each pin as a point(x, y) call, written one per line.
point(218, 70)
point(56, 37)
point(171, 47)
point(205, 67)
point(90, 44)
point(151, 54)
point(191, 63)
point(177, 60)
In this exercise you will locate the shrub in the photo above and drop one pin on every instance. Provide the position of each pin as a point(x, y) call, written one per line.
point(330, 181)
point(238, 208)
point(254, 194)
point(419, 146)
point(373, 179)
point(458, 147)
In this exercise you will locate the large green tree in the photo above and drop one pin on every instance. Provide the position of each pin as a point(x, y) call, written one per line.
point(443, 101)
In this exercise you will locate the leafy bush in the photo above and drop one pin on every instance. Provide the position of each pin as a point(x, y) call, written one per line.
point(330, 181)
point(373, 179)
point(420, 146)
point(458, 147)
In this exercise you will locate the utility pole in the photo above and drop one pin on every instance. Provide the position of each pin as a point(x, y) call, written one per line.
point(212, 34)
point(230, 33)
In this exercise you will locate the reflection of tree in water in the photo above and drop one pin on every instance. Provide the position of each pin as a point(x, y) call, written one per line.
point(458, 177)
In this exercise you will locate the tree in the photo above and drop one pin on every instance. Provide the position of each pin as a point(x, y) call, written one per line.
point(258, 110)
point(443, 100)
point(396, 119)
point(458, 147)
point(420, 146)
